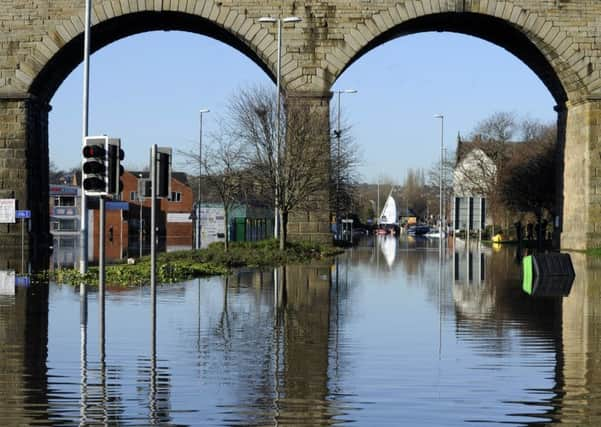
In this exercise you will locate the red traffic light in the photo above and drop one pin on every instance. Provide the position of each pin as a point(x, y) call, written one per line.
point(95, 151)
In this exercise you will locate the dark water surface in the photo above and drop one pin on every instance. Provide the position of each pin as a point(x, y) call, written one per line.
point(383, 336)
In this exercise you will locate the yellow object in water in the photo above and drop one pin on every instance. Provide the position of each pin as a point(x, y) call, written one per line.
point(497, 238)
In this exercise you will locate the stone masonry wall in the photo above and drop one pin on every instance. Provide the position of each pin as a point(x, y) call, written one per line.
point(582, 177)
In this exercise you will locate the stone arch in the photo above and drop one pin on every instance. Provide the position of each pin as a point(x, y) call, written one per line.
point(538, 42)
point(61, 49)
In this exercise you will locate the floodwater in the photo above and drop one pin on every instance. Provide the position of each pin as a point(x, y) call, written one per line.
point(386, 335)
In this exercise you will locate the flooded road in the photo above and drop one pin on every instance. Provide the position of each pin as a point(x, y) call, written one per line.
point(386, 335)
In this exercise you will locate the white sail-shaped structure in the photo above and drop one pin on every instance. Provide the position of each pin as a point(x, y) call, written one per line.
point(388, 248)
point(388, 215)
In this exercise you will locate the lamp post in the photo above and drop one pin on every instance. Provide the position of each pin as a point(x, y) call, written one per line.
point(441, 117)
point(338, 133)
point(199, 198)
point(83, 238)
point(278, 21)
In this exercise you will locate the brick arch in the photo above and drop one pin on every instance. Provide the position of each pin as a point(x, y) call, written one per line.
point(60, 50)
point(538, 42)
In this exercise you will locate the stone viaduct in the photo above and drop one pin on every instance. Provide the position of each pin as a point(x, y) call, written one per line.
point(41, 42)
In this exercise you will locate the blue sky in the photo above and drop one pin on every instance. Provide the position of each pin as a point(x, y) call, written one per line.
point(148, 89)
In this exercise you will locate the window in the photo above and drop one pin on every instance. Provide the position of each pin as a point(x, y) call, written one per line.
point(68, 225)
point(64, 225)
point(176, 196)
point(133, 195)
point(64, 201)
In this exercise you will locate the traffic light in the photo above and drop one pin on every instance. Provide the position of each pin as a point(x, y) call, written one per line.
point(115, 170)
point(94, 166)
point(102, 168)
point(164, 172)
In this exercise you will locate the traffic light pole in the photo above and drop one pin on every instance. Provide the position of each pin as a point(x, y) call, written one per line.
point(153, 242)
point(83, 240)
point(101, 270)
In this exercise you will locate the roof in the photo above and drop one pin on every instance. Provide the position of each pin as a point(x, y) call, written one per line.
point(407, 212)
point(491, 148)
point(180, 176)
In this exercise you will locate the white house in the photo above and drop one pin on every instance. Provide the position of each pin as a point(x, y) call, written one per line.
point(474, 176)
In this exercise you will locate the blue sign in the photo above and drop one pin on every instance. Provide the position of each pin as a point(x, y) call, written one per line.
point(22, 214)
point(22, 281)
point(117, 206)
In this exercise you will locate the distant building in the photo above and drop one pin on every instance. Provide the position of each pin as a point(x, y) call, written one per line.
point(407, 217)
point(124, 225)
point(65, 214)
point(246, 223)
point(474, 174)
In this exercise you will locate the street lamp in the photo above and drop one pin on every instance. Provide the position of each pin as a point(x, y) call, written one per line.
point(202, 111)
point(338, 133)
point(441, 117)
point(278, 21)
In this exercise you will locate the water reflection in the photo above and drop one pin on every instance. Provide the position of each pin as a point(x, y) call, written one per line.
point(361, 341)
point(579, 363)
point(302, 377)
point(24, 387)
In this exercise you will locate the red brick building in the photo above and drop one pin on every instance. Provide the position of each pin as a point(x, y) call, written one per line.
point(124, 228)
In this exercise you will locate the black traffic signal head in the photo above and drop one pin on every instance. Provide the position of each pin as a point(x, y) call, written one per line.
point(94, 165)
point(115, 170)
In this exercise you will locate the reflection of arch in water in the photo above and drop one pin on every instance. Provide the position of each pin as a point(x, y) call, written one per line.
point(491, 314)
point(579, 364)
point(24, 387)
point(306, 342)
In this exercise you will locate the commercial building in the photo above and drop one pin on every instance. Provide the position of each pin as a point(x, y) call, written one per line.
point(65, 214)
point(127, 224)
point(246, 223)
point(128, 221)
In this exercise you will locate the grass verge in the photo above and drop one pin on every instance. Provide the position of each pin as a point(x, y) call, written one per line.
point(184, 265)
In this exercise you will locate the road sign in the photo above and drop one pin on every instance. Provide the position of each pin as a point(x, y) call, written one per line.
point(117, 205)
point(7, 211)
point(22, 281)
point(23, 214)
point(7, 282)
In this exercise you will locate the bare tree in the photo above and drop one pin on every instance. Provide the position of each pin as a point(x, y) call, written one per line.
point(293, 170)
point(528, 185)
point(59, 176)
point(496, 132)
point(433, 182)
point(515, 177)
point(499, 127)
point(413, 192)
point(223, 163)
point(344, 175)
